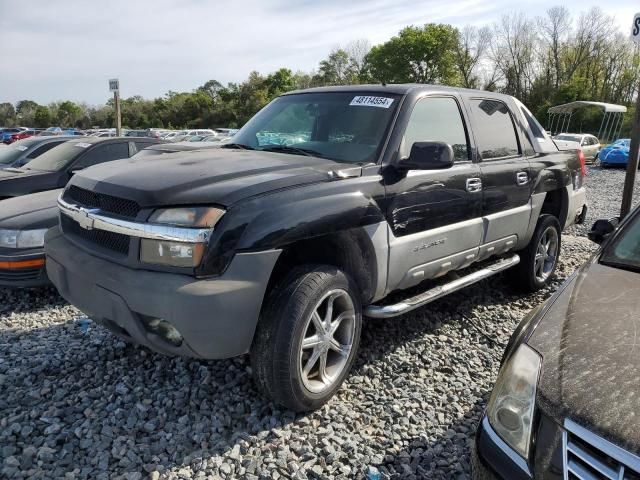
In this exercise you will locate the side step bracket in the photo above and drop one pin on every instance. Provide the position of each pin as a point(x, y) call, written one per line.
point(389, 311)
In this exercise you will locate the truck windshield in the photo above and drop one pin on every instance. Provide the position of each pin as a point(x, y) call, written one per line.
point(58, 157)
point(342, 126)
point(624, 251)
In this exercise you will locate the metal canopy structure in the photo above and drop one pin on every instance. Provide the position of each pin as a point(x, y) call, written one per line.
point(611, 125)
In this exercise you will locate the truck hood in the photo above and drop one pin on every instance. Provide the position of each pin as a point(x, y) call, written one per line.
point(37, 210)
point(218, 176)
point(14, 183)
point(590, 343)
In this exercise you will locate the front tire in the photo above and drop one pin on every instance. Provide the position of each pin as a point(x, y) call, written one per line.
point(307, 337)
point(539, 259)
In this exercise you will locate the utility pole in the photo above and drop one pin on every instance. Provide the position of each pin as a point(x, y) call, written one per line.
point(114, 86)
point(634, 148)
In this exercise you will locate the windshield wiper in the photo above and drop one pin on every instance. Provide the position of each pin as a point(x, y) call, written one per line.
point(13, 169)
point(289, 149)
point(239, 146)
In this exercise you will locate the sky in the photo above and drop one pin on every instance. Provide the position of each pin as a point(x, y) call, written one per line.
point(68, 49)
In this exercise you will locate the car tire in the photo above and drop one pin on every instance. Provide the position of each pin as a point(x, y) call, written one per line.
point(539, 259)
point(303, 350)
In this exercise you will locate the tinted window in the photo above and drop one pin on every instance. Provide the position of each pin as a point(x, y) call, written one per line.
point(494, 130)
point(104, 153)
point(142, 145)
point(436, 120)
point(535, 127)
point(43, 148)
point(58, 157)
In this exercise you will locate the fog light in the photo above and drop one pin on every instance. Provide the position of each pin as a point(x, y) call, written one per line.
point(163, 329)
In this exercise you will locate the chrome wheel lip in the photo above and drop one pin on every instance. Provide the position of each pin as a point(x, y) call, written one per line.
point(546, 255)
point(327, 342)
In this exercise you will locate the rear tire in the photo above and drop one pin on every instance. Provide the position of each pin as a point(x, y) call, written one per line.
point(307, 337)
point(539, 259)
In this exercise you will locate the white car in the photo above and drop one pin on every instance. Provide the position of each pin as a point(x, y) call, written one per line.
point(589, 144)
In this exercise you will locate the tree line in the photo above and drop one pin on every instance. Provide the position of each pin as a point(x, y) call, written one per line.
point(544, 61)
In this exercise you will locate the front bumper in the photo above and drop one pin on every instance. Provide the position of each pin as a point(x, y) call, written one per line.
point(23, 269)
point(216, 317)
point(493, 459)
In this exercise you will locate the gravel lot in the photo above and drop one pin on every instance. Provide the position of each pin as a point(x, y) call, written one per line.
point(78, 403)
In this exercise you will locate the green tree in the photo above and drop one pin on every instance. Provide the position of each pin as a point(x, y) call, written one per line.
point(42, 117)
point(417, 54)
point(25, 112)
point(7, 115)
point(69, 114)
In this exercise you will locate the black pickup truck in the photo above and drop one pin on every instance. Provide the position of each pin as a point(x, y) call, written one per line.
point(280, 242)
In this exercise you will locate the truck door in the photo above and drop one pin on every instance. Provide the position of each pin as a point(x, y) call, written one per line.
point(506, 175)
point(434, 216)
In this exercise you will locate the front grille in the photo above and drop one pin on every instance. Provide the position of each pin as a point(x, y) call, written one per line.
point(116, 242)
point(107, 203)
point(587, 456)
point(21, 274)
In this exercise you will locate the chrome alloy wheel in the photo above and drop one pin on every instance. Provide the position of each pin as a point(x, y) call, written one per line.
point(546, 254)
point(328, 340)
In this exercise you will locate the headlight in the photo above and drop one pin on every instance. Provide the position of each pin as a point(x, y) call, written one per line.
point(512, 402)
point(187, 217)
point(179, 254)
point(22, 238)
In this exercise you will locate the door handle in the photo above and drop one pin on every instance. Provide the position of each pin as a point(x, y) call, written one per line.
point(474, 185)
point(522, 178)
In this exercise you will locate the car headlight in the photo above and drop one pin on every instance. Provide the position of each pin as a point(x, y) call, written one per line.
point(179, 254)
point(512, 402)
point(22, 238)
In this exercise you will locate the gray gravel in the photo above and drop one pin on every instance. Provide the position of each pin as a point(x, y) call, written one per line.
point(78, 403)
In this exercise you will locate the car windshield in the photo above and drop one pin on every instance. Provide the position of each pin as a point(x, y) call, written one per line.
point(624, 251)
point(58, 157)
point(9, 155)
point(343, 126)
point(569, 138)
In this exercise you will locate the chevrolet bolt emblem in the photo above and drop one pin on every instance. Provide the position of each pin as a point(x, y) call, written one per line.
point(84, 220)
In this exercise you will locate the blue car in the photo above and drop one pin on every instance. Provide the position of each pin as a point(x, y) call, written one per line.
point(616, 153)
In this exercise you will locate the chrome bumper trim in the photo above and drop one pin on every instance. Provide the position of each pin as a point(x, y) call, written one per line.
point(92, 218)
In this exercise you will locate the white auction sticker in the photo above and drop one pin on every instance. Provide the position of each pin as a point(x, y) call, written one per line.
point(22, 148)
point(83, 145)
point(366, 101)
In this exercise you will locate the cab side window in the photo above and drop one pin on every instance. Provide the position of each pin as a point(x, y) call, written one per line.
point(436, 119)
point(103, 153)
point(494, 129)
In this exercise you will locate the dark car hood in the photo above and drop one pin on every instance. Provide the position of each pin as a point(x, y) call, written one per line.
point(590, 342)
point(37, 210)
point(219, 176)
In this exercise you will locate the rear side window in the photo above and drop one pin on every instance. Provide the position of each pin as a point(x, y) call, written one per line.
point(494, 129)
point(436, 119)
point(104, 153)
point(535, 127)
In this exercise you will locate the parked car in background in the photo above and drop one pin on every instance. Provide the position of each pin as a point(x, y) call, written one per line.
point(51, 131)
point(566, 399)
point(54, 168)
point(616, 153)
point(23, 151)
point(169, 136)
point(137, 133)
point(6, 133)
point(589, 144)
point(279, 249)
point(186, 134)
point(9, 138)
point(25, 219)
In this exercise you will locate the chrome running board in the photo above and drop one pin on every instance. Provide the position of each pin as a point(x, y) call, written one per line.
point(388, 311)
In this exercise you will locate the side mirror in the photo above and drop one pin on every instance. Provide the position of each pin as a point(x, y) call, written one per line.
point(428, 156)
point(602, 228)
